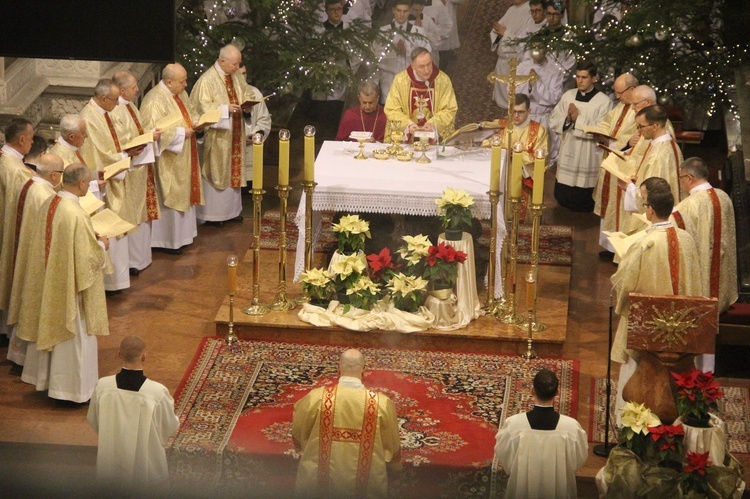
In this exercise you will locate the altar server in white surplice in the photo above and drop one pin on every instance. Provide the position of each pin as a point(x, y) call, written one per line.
point(134, 418)
point(223, 87)
point(541, 450)
point(580, 159)
point(178, 171)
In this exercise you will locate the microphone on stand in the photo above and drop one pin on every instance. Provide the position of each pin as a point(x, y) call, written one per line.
point(603, 450)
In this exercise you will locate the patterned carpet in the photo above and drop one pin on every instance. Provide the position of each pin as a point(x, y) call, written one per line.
point(734, 410)
point(235, 410)
point(555, 241)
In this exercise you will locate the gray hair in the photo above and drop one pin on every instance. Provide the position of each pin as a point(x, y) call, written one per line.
point(696, 167)
point(124, 79)
point(103, 87)
point(629, 79)
point(71, 124)
point(171, 71)
point(49, 163)
point(645, 92)
point(74, 173)
point(368, 88)
point(351, 361)
point(417, 51)
point(229, 50)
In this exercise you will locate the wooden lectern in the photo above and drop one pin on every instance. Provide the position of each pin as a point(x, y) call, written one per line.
point(667, 331)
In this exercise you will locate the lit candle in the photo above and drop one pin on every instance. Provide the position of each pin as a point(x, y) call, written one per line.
point(309, 153)
point(257, 161)
point(530, 290)
point(284, 157)
point(537, 197)
point(495, 163)
point(232, 274)
point(516, 171)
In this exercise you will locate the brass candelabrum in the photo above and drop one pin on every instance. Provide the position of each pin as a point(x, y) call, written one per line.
point(256, 308)
point(282, 303)
point(530, 304)
point(492, 304)
point(309, 188)
point(536, 326)
point(506, 311)
point(231, 340)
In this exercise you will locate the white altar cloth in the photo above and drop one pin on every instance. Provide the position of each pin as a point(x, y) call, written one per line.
point(393, 186)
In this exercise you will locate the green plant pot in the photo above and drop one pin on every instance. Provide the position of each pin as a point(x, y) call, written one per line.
point(454, 234)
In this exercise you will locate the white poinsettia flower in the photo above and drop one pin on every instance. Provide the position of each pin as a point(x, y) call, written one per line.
point(352, 224)
point(317, 277)
point(418, 244)
point(348, 265)
point(364, 283)
point(639, 418)
point(453, 197)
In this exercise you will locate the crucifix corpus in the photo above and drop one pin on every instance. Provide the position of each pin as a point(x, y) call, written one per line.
point(511, 80)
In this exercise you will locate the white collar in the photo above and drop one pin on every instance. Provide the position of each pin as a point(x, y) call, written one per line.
point(660, 225)
point(702, 187)
point(525, 124)
point(122, 101)
point(68, 195)
point(351, 381)
point(221, 71)
point(65, 143)
point(664, 138)
point(8, 149)
point(97, 106)
point(40, 180)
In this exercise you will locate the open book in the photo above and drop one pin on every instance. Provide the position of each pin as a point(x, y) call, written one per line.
point(473, 133)
point(90, 203)
point(251, 102)
point(116, 168)
point(622, 242)
point(170, 120)
point(141, 140)
point(106, 223)
point(598, 131)
point(617, 167)
point(209, 118)
point(617, 153)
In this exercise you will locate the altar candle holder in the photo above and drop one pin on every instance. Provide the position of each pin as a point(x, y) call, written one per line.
point(281, 303)
point(256, 308)
point(309, 187)
point(491, 306)
point(530, 305)
point(231, 340)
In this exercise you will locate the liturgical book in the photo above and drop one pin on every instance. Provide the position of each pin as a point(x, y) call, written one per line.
point(90, 203)
point(106, 223)
point(116, 168)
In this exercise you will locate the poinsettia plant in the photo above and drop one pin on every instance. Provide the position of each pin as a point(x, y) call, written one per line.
point(381, 265)
point(364, 293)
point(317, 284)
point(347, 271)
point(413, 254)
point(666, 442)
point(407, 291)
point(441, 267)
point(454, 209)
point(697, 394)
point(637, 422)
point(352, 233)
point(694, 477)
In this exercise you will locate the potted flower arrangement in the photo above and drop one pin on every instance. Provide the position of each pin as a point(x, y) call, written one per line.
point(694, 478)
point(352, 233)
point(454, 212)
point(413, 254)
point(318, 285)
point(364, 293)
point(441, 267)
point(381, 265)
point(666, 445)
point(637, 422)
point(697, 394)
point(407, 292)
point(346, 271)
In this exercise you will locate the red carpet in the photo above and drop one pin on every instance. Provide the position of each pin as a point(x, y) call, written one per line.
point(236, 412)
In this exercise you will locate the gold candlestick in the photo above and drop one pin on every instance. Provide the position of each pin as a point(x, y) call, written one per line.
point(256, 308)
point(309, 188)
point(536, 213)
point(492, 304)
point(282, 304)
point(231, 340)
point(530, 299)
point(507, 314)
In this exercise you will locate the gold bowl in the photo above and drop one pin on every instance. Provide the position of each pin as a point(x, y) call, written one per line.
point(404, 155)
point(381, 154)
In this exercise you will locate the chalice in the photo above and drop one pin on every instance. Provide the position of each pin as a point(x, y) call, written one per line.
point(421, 145)
point(361, 137)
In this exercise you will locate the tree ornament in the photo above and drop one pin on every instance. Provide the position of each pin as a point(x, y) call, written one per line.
point(536, 53)
point(661, 34)
point(664, 100)
point(634, 41)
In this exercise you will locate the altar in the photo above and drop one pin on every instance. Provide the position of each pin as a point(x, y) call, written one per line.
point(397, 187)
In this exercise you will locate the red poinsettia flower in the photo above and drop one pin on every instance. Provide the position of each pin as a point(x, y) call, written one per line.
point(380, 262)
point(687, 380)
point(696, 463)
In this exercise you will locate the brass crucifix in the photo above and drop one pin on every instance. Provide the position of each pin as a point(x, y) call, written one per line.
point(512, 80)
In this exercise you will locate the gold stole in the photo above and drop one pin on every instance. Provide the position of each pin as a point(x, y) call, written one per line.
point(152, 205)
point(195, 172)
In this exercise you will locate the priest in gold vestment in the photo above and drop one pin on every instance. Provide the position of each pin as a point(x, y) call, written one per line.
point(421, 98)
point(19, 135)
point(662, 262)
point(223, 87)
point(26, 274)
point(344, 454)
point(178, 173)
point(73, 309)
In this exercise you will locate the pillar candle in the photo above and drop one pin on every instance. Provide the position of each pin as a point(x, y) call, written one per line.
point(516, 174)
point(530, 291)
point(232, 277)
point(283, 161)
point(257, 164)
point(537, 197)
point(495, 166)
point(309, 158)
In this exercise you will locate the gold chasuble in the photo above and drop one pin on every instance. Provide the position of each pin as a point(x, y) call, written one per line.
point(178, 172)
point(223, 150)
point(102, 148)
point(73, 278)
point(620, 124)
point(347, 436)
point(708, 215)
point(412, 100)
point(140, 188)
point(662, 262)
point(531, 134)
point(13, 175)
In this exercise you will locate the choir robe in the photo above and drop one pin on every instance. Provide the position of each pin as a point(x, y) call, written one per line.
point(646, 269)
point(442, 108)
point(179, 186)
point(13, 175)
point(27, 275)
point(620, 124)
point(708, 214)
point(578, 165)
point(514, 20)
point(133, 428)
point(141, 205)
point(541, 463)
point(259, 121)
point(345, 475)
point(223, 147)
point(73, 307)
point(392, 63)
point(662, 158)
point(98, 151)
point(544, 96)
point(354, 120)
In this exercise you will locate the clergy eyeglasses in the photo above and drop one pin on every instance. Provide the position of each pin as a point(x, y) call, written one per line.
point(639, 127)
point(618, 94)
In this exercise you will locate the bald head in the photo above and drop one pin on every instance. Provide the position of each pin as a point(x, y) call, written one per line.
point(132, 349)
point(624, 86)
point(172, 71)
point(49, 163)
point(174, 78)
point(229, 59)
point(643, 96)
point(352, 363)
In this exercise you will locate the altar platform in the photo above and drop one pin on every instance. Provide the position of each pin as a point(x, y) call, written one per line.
point(484, 334)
